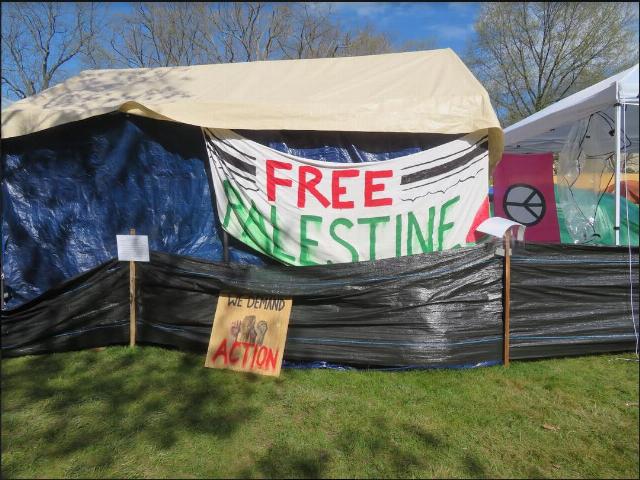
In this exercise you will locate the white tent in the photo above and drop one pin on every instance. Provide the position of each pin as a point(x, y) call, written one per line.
point(548, 129)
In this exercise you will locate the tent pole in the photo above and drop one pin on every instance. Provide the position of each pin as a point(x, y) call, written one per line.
point(507, 297)
point(617, 173)
point(132, 299)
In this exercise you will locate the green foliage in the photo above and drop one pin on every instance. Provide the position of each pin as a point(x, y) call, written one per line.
point(532, 54)
point(149, 412)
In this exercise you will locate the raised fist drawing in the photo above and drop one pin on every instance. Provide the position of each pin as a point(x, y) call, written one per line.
point(248, 331)
point(235, 329)
point(262, 330)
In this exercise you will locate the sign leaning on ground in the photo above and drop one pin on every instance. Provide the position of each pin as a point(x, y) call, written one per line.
point(249, 334)
point(308, 212)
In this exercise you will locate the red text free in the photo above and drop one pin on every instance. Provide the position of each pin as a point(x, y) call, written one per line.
point(310, 177)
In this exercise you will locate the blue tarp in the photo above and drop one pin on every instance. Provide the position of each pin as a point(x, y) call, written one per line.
point(69, 190)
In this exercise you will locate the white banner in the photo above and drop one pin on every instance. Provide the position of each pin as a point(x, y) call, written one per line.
point(307, 212)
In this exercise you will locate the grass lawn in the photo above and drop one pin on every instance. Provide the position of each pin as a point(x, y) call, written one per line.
point(150, 412)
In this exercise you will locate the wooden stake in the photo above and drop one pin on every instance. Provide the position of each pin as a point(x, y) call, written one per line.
point(507, 295)
point(132, 299)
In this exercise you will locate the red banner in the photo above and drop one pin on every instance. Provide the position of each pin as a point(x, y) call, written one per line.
point(523, 192)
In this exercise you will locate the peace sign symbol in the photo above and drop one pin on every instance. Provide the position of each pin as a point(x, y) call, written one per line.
point(524, 204)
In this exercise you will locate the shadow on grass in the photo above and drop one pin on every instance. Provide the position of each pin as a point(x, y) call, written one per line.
point(407, 450)
point(473, 467)
point(374, 441)
point(285, 460)
point(100, 400)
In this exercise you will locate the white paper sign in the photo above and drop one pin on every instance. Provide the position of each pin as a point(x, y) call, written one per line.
point(497, 227)
point(133, 247)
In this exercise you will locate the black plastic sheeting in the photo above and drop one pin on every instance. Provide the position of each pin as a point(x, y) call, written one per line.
point(90, 310)
point(424, 310)
point(69, 190)
point(572, 299)
point(440, 309)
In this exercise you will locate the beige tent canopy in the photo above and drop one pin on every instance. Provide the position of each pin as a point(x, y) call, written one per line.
point(419, 92)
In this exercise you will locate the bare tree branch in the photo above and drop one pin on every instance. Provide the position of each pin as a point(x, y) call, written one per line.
point(531, 54)
point(40, 39)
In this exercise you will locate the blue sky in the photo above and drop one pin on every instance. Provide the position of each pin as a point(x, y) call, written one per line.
point(450, 24)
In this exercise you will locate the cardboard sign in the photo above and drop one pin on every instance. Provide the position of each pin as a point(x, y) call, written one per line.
point(133, 248)
point(249, 334)
point(307, 212)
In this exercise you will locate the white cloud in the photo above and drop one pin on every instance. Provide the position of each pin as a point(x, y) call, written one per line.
point(381, 11)
point(450, 24)
point(367, 10)
point(449, 32)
